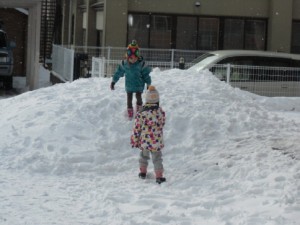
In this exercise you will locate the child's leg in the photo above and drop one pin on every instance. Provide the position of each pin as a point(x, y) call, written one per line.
point(139, 101)
point(129, 100)
point(143, 160)
point(129, 105)
point(157, 162)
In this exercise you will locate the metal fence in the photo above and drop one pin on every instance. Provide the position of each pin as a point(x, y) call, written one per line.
point(102, 67)
point(63, 62)
point(63, 58)
point(265, 81)
point(102, 62)
point(116, 53)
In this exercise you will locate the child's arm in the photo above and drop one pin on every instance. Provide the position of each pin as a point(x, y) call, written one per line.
point(146, 75)
point(119, 73)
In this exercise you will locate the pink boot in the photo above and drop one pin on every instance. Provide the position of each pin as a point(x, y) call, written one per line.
point(130, 113)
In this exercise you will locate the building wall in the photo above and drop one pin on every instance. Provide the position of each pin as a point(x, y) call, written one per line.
point(115, 22)
point(296, 9)
point(280, 25)
point(253, 8)
point(278, 13)
point(16, 31)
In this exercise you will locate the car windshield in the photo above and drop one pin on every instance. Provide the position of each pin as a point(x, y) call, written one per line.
point(203, 61)
point(3, 43)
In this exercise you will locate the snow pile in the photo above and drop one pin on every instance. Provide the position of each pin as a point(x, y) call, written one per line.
point(231, 157)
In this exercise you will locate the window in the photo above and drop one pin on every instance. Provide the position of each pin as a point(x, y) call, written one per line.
point(138, 29)
point(186, 33)
point(84, 36)
point(239, 60)
point(208, 34)
point(99, 36)
point(295, 46)
point(233, 34)
point(199, 33)
point(255, 33)
point(161, 32)
point(273, 62)
point(2, 40)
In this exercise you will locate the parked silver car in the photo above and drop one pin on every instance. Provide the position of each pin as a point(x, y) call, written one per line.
point(6, 60)
point(260, 72)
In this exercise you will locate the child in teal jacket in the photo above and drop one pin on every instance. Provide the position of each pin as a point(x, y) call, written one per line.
point(136, 73)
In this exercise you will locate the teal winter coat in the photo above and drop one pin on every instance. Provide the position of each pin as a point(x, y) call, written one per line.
point(136, 75)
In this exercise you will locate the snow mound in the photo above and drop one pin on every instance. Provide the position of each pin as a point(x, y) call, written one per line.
point(231, 157)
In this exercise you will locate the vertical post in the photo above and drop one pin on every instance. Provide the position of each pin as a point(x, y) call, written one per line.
point(108, 53)
point(107, 62)
point(72, 64)
point(228, 73)
point(33, 46)
point(103, 69)
point(172, 58)
point(45, 31)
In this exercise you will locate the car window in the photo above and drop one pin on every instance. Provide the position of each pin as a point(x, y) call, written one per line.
point(204, 60)
point(239, 60)
point(3, 43)
point(273, 62)
point(296, 63)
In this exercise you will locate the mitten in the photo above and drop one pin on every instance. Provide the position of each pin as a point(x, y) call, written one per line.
point(112, 86)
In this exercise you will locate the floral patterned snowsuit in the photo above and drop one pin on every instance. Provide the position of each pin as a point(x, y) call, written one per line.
point(147, 135)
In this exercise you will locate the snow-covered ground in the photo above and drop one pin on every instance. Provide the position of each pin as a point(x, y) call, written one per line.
point(231, 157)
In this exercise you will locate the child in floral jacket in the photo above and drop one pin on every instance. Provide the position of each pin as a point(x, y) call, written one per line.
point(147, 135)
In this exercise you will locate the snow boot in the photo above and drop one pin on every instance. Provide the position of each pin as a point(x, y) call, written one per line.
point(143, 172)
point(159, 177)
point(160, 180)
point(130, 113)
point(142, 175)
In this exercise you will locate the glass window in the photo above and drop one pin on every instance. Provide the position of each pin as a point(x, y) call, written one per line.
point(208, 34)
point(161, 32)
point(99, 36)
point(200, 33)
point(273, 62)
point(295, 46)
point(84, 36)
point(255, 34)
point(2, 40)
point(239, 60)
point(233, 34)
point(186, 33)
point(138, 29)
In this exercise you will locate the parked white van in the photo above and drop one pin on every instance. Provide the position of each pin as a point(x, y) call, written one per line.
point(260, 72)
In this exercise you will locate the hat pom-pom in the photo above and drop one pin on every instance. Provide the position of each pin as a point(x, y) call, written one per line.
point(151, 88)
point(133, 42)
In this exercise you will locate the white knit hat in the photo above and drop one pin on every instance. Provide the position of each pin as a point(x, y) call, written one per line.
point(152, 95)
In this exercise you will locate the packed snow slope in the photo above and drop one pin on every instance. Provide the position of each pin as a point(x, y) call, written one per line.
point(231, 157)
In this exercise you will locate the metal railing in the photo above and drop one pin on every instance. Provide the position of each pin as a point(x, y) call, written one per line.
point(102, 62)
point(63, 62)
point(118, 53)
point(63, 59)
point(102, 67)
point(261, 80)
